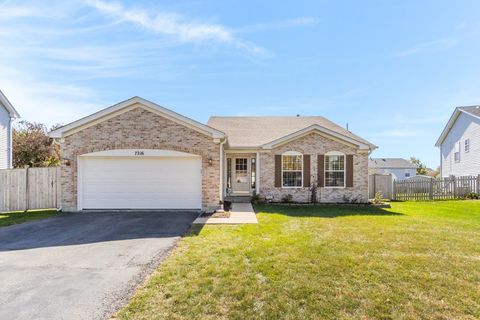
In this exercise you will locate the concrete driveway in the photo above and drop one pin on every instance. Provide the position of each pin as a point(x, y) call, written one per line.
point(84, 265)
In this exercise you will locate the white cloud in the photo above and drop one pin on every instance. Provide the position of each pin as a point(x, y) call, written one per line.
point(172, 24)
point(435, 45)
point(275, 25)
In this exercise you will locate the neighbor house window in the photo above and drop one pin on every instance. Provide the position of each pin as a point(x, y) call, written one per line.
point(457, 152)
point(335, 170)
point(407, 174)
point(292, 169)
point(467, 145)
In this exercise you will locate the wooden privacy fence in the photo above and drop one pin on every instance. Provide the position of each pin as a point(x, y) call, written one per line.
point(32, 188)
point(380, 183)
point(436, 189)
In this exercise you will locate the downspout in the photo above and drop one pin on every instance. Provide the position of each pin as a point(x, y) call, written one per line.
point(221, 169)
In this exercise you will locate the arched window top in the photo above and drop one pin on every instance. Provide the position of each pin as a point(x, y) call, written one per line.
point(334, 153)
point(291, 153)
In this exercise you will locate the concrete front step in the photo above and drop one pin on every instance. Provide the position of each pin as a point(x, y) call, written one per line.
point(239, 199)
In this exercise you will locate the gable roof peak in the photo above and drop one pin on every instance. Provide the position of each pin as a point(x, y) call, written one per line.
point(8, 106)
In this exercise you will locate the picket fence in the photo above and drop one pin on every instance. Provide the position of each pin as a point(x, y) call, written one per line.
point(436, 189)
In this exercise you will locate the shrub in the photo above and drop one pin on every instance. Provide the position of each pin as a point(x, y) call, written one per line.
point(378, 197)
point(472, 195)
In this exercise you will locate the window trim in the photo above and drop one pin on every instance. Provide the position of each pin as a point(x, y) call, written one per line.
point(292, 153)
point(335, 153)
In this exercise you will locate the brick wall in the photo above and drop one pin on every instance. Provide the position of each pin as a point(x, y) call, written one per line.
point(315, 144)
point(140, 129)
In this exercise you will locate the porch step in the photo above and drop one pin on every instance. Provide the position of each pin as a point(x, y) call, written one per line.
point(239, 199)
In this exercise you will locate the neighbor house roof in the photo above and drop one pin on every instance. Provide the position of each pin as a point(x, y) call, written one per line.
point(8, 106)
point(127, 105)
point(473, 111)
point(390, 163)
point(254, 132)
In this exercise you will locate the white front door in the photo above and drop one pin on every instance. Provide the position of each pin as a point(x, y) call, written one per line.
point(140, 183)
point(241, 175)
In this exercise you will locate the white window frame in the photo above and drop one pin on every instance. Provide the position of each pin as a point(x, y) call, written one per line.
point(292, 153)
point(335, 153)
point(467, 145)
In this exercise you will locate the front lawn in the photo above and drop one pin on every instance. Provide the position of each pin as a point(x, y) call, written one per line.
point(417, 260)
point(16, 217)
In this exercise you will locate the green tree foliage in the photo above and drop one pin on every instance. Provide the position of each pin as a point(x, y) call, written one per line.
point(32, 147)
point(421, 168)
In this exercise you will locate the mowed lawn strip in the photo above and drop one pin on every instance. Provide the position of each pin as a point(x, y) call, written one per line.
point(417, 260)
point(16, 217)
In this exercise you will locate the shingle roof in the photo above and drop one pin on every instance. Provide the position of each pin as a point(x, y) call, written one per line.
point(390, 163)
point(256, 131)
point(475, 110)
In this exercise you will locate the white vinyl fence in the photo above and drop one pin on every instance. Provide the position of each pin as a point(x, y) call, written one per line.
point(32, 188)
point(380, 183)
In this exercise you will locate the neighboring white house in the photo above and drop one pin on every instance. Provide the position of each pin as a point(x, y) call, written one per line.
point(459, 143)
point(7, 115)
point(398, 167)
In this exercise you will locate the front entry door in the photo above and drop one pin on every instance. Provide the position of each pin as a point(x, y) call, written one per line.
point(241, 175)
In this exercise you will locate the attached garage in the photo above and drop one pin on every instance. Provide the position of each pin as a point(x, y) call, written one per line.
point(139, 179)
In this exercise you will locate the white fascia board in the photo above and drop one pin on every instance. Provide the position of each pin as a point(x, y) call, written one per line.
point(321, 129)
point(169, 114)
point(11, 110)
point(448, 127)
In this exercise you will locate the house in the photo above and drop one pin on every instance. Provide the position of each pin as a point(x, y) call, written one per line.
point(398, 167)
point(7, 115)
point(139, 155)
point(459, 143)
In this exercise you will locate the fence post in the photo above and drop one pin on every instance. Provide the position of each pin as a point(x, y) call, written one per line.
point(430, 189)
point(454, 181)
point(478, 184)
point(394, 196)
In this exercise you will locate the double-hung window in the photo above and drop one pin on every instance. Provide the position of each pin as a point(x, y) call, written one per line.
point(457, 152)
point(292, 170)
point(467, 145)
point(335, 170)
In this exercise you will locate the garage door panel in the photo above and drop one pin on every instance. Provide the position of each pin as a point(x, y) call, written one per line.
point(141, 183)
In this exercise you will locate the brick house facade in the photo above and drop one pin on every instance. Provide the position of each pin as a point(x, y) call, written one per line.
point(138, 124)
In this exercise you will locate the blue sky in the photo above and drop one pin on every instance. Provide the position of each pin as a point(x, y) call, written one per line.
point(392, 70)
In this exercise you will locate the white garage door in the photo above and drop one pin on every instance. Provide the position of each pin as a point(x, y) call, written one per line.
point(140, 183)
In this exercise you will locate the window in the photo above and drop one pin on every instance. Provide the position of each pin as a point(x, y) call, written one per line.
point(292, 170)
point(467, 145)
point(407, 174)
point(335, 170)
point(457, 152)
point(229, 174)
point(241, 170)
point(253, 173)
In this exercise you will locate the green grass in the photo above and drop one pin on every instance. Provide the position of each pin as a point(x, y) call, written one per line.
point(16, 217)
point(417, 260)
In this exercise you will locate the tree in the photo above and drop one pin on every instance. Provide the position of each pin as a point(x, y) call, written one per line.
point(32, 147)
point(421, 168)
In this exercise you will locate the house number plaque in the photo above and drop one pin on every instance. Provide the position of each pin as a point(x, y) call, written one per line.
point(139, 153)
